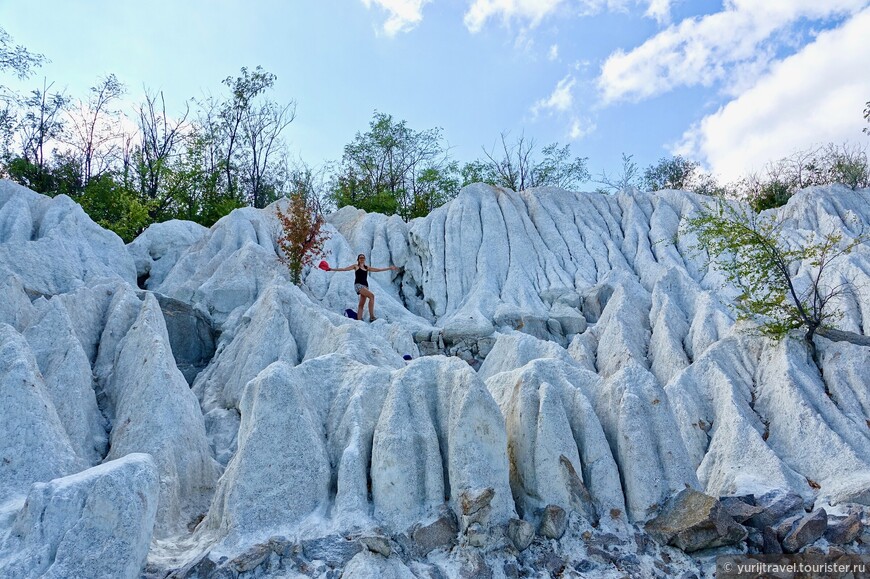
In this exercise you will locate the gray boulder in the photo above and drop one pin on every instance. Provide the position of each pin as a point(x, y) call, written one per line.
point(521, 533)
point(367, 564)
point(843, 531)
point(776, 506)
point(554, 522)
point(692, 521)
point(442, 532)
point(805, 531)
point(770, 542)
point(740, 508)
point(190, 336)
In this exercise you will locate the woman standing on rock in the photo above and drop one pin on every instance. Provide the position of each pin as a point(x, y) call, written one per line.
point(361, 284)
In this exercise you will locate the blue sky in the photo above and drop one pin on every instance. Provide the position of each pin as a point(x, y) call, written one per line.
point(730, 84)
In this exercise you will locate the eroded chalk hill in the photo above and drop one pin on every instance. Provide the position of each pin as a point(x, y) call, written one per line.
point(578, 396)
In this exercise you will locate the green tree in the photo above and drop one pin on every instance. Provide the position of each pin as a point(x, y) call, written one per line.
point(113, 207)
point(93, 127)
point(17, 59)
point(627, 179)
point(393, 168)
point(192, 185)
point(758, 259)
point(671, 173)
point(158, 142)
point(516, 165)
point(21, 63)
point(61, 176)
point(41, 124)
point(847, 165)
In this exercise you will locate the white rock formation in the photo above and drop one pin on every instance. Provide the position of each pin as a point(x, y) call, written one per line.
point(439, 417)
point(66, 372)
point(96, 523)
point(610, 375)
point(35, 445)
point(53, 247)
point(157, 249)
point(550, 421)
point(172, 431)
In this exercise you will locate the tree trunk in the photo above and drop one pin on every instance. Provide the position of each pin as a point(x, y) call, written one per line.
point(844, 336)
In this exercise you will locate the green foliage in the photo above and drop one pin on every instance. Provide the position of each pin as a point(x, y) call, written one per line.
point(671, 173)
point(435, 187)
point(302, 234)
point(757, 259)
point(394, 169)
point(771, 194)
point(516, 166)
point(61, 177)
point(848, 166)
point(628, 179)
point(17, 58)
point(832, 164)
point(114, 207)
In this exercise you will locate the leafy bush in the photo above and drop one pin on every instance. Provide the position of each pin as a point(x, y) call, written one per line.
point(758, 260)
point(302, 234)
point(114, 207)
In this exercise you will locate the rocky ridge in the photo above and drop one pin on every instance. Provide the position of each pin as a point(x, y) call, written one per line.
point(579, 400)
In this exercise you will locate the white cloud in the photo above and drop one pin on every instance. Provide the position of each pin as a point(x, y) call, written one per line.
point(812, 97)
point(660, 10)
point(703, 51)
point(403, 15)
point(560, 100)
point(532, 12)
point(553, 54)
point(580, 127)
point(561, 104)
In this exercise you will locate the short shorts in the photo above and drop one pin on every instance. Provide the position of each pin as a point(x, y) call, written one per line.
point(358, 287)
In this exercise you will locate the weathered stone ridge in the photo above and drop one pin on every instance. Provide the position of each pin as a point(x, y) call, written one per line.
point(555, 385)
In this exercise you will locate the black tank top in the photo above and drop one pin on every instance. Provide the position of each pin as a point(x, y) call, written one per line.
point(361, 276)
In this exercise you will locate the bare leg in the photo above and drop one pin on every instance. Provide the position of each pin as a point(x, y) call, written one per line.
point(359, 309)
point(371, 297)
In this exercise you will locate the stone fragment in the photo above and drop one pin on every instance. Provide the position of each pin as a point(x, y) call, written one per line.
point(476, 534)
point(334, 550)
point(554, 522)
point(376, 544)
point(691, 521)
point(843, 531)
point(740, 508)
point(777, 505)
point(770, 542)
point(474, 566)
point(439, 533)
point(807, 531)
point(520, 533)
point(367, 565)
point(474, 501)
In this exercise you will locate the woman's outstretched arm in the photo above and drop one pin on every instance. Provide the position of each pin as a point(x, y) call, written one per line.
point(348, 268)
point(392, 267)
